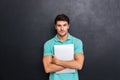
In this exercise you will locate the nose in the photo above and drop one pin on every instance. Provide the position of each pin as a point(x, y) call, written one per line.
point(62, 27)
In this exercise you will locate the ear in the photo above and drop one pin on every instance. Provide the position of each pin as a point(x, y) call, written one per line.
point(68, 26)
point(55, 27)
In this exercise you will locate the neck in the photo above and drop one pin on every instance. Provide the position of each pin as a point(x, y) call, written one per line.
point(62, 38)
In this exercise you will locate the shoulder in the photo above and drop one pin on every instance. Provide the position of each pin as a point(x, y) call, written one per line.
point(76, 40)
point(78, 45)
point(49, 42)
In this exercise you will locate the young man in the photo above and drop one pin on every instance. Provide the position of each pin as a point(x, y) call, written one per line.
point(51, 63)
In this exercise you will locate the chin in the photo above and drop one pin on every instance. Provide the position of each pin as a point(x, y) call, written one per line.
point(62, 34)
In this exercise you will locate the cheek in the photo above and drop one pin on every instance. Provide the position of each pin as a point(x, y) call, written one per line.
point(67, 28)
point(57, 29)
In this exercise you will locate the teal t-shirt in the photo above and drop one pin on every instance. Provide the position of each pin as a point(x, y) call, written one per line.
point(49, 50)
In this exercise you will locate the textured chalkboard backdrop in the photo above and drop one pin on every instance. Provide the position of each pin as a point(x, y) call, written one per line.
point(26, 24)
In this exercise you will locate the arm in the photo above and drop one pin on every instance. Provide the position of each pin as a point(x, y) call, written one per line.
point(49, 66)
point(77, 63)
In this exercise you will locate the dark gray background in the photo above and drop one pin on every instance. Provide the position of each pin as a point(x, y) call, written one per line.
point(26, 24)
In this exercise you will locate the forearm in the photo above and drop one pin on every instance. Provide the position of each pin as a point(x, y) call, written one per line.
point(73, 64)
point(53, 68)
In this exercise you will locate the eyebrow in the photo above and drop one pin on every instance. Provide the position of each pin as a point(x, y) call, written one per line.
point(63, 24)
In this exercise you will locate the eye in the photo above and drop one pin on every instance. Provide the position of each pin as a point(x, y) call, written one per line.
point(65, 25)
point(58, 25)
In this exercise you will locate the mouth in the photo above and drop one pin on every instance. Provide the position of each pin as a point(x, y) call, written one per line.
point(62, 31)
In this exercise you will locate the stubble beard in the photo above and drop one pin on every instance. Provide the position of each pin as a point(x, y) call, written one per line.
point(62, 35)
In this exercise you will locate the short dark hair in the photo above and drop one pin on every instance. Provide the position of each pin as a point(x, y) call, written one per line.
point(62, 17)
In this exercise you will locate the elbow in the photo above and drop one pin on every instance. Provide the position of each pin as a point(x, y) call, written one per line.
point(79, 67)
point(47, 70)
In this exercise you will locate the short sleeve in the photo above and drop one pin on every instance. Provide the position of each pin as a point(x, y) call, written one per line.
point(47, 49)
point(78, 46)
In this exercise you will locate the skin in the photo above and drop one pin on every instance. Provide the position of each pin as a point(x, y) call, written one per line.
point(51, 63)
point(62, 30)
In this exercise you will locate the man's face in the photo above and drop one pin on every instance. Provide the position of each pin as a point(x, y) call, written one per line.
point(62, 28)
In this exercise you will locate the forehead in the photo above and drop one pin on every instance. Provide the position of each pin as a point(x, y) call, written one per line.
point(61, 22)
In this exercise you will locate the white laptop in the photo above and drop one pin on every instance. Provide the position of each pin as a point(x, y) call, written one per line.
point(64, 52)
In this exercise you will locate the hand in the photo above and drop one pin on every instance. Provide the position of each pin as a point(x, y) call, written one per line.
point(55, 60)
